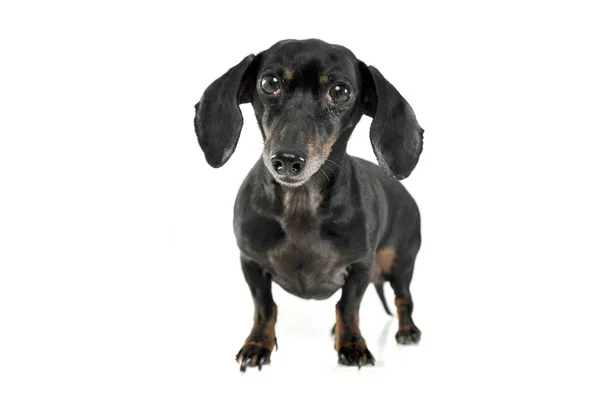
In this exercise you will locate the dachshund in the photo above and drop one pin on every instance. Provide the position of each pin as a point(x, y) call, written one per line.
point(308, 216)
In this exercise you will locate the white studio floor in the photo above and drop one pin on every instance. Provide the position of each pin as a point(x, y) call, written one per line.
point(146, 332)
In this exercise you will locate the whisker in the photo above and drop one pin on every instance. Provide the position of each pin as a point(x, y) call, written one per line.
point(325, 175)
point(330, 161)
point(336, 159)
point(328, 167)
point(332, 171)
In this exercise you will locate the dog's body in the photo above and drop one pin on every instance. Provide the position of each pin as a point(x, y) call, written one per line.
point(305, 237)
point(308, 216)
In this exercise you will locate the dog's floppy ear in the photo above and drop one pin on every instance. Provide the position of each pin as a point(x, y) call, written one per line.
point(219, 120)
point(396, 136)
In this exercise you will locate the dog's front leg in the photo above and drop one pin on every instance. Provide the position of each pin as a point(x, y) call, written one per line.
point(257, 349)
point(349, 343)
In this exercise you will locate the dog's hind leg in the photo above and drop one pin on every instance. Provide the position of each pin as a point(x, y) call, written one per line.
point(400, 276)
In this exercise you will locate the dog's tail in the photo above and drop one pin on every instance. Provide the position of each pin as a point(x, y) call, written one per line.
point(381, 294)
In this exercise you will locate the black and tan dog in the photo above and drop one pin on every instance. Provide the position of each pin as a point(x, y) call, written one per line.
point(308, 216)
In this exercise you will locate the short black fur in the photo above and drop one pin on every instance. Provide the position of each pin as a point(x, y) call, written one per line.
point(328, 221)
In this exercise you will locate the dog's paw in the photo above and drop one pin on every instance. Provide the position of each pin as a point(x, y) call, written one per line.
point(408, 335)
point(355, 354)
point(254, 354)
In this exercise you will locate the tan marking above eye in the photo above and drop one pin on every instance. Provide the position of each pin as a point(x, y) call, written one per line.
point(324, 78)
point(288, 75)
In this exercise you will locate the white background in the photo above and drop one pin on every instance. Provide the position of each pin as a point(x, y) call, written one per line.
point(119, 272)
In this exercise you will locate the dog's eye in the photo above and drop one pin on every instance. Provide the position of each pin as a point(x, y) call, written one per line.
point(340, 93)
point(270, 84)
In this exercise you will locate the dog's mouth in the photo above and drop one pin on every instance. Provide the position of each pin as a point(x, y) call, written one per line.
point(289, 180)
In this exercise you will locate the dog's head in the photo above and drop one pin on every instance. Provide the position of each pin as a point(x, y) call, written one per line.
point(308, 96)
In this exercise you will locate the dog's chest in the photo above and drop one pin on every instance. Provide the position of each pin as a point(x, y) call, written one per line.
point(305, 263)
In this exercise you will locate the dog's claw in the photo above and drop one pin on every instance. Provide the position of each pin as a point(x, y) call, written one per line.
point(343, 359)
point(253, 355)
point(355, 355)
point(245, 364)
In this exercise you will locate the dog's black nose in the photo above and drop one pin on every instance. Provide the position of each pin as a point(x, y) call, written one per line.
point(288, 162)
